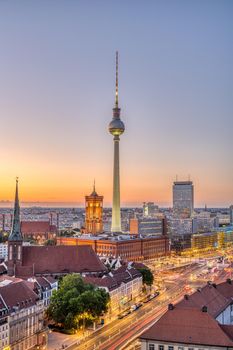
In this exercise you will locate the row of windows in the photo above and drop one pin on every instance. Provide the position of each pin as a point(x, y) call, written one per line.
point(170, 347)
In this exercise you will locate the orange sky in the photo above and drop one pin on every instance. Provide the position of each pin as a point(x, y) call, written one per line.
point(57, 69)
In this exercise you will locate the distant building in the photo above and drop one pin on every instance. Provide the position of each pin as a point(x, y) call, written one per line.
point(219, 238)
point(134, 226)
point(150, 209)
point(223, 219)
point(147, 226)
point(183, 198)
point(181, 242)
point(40, 231)
point(204, 222)
point(94, 213)
point(178, 226)
point(107, 224)
point(231, 214)
point(204, 241)
point(225, 236)
point(123, 246)
point(203, 320)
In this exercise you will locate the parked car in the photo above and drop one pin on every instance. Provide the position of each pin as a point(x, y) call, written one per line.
point(138, 305)
point(133, 307)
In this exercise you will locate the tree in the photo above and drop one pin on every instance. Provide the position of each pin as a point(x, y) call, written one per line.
point(147, 276)
point(50, 242)
point(77, 303)
point(3, 237)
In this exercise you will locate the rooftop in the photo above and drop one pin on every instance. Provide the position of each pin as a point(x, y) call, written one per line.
point(192, 320)
point(189, 326)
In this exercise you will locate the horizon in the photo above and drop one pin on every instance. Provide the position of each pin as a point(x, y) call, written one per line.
point(57, 94)
point(36, 204)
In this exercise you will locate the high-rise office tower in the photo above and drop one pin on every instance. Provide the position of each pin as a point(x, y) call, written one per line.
point(183, 201)
point(94, 213)
point(116, 128)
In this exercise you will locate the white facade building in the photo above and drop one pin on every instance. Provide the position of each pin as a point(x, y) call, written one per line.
point(124, 286)
point(3, 250)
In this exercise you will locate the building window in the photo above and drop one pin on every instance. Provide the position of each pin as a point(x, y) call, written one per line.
point(161, 347)
point(10, 253)
point(170, 347)
point(151, 347)
point(19, 252)
point(181, 348)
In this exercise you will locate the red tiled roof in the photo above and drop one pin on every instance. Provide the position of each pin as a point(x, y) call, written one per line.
point(10, 279)
point(107, 282)
point(123, 274)
point(138, 265)
point(118, 276)
point(188, 326)
point(18, 294)
point(226, 289)
point(29, 227)
point(209, 296)
point(41, 281)
point(228, 329)
point(59, 259)
point(50, 279)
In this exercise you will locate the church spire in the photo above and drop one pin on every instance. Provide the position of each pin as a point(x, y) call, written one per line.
point(116, 93)
point(15, 234)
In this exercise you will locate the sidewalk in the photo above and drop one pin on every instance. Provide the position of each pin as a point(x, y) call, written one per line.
point(56, 340)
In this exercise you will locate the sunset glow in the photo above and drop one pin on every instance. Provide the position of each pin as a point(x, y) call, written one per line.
point(57, 94)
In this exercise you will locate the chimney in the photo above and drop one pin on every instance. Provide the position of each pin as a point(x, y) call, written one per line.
point(204, 308)
point(186, 297)
point(170, 307)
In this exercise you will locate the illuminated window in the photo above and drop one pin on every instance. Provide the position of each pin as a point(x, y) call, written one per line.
point(19, 252)
point(10, 252)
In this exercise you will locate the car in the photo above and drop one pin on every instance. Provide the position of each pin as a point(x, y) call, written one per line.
point(146, 300)
point(133, 307)
point(138, 305)
point(120, 316)
point(127, 312)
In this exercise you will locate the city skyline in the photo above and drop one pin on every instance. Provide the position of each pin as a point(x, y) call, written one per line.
point(57, 96)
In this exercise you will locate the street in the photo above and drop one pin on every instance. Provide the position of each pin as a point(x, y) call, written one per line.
point(184, 278)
